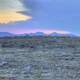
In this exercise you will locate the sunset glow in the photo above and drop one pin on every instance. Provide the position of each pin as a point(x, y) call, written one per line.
point(9, 11)
point(6, 17)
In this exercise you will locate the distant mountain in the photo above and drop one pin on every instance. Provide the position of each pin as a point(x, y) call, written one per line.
point(52, 34)
point(37, 34)
point(6, 34)
point(59, 34)
point(21, 34)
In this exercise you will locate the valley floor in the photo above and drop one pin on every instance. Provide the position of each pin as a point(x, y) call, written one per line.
point(50, 62)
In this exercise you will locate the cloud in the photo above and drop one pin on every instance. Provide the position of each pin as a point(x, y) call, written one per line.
point(9, 11)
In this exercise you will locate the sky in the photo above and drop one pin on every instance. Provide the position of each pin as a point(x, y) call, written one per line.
point(40, 15)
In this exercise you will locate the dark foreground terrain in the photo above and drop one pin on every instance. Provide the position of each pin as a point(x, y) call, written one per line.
point(40, 58)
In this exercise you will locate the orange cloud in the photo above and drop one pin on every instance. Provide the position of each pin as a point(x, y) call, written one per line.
point(12, 16)
point(9, 11)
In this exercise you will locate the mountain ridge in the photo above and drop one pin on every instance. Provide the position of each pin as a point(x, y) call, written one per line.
point(8, 34)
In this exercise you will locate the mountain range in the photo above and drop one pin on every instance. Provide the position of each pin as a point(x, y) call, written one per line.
point(7, 34)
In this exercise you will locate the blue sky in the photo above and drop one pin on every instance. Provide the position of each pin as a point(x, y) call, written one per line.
point(48, 14)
